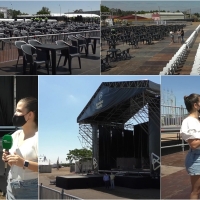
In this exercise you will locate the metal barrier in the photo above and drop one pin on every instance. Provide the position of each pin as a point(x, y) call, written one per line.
point(48, 193)
point(8, 51)
point(180, 55)
point(171, 120)
point(172, 115)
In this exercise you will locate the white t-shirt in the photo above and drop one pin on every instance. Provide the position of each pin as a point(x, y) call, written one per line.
point(29, 151)
point(190, 129)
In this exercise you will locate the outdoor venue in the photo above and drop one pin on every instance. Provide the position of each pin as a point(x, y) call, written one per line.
point(58, 43)
point(135, 43)
point(121, 124)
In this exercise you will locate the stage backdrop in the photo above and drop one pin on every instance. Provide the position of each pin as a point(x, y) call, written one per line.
point(125, 150)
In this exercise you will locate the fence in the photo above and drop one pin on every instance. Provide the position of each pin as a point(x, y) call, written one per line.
point(171, 120)
point(48, 193)
point(8, 51)
point(172, 115)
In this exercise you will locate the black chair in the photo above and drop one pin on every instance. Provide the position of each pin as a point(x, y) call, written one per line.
point(87, 40)
point(69, 53)
point(29, 57)
point(34, 42)
point(18, 44)
point(80, 43)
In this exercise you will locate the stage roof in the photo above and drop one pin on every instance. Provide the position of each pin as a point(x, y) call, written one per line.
point(113, 102)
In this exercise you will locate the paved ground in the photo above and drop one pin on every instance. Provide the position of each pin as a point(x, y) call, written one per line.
point(149, 59)
point(175, 182)
point(100, 192)
point(90, 66)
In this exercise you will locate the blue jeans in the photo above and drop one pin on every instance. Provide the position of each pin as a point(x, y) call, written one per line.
point(27, 189)
point(192, 162)
point(112, 184)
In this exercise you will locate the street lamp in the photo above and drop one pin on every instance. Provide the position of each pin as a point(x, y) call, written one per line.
point(159, 14)
point(60, 9)
point(12, 9)
point(135, 16)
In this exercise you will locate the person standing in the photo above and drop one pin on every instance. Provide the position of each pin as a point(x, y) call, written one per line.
point(112, 181)
point(190, 132)
point(172, 36)
point(106, 180)
point(179, 35)
point(23, 155)
point(182, 35)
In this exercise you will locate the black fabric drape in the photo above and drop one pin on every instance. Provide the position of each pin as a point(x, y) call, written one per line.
point(6, 100)
point(26, 86)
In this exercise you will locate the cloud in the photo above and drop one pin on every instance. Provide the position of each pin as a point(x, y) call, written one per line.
point(71, 98)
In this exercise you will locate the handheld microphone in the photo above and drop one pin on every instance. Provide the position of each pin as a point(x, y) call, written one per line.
point(7, 143)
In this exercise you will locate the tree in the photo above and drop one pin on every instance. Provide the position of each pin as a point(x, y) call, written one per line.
point(78, 11)
point(104, 9)
point(1, 15)
point(197, 14)
point(44, 11)
point(79, 155)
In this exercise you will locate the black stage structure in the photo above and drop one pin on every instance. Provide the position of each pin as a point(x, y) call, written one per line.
point(121, 123)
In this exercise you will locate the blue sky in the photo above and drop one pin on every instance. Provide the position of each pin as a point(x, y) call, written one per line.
point(153, 5)
point(180, 86)
point(61, 100)
point(32, 7)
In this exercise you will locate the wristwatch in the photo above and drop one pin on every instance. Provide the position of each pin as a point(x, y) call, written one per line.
point(26, 164)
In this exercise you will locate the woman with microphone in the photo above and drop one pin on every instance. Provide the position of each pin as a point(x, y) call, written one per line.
point(23, 155)
point(190, 132)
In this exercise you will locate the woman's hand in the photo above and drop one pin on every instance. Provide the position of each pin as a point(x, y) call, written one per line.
point(15, 160)
point(194, 143)
point(4, 155)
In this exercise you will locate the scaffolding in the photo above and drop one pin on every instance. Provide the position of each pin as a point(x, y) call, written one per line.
point(136, 112)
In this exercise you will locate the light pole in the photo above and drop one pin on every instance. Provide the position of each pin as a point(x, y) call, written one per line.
point(135, 16)
point(12, 10)
point(60, 9)
point(159, 14)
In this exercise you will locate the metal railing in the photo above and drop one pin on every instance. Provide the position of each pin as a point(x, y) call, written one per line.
point(49, 193)
point(8, 51)
point(171, 120)
point(172, 115)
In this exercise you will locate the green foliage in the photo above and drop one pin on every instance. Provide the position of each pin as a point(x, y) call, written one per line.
point(105, 9)
point(197, 14)
point(14, 13)
point(1, 15)
point(43, 11)
point(78, 11)
point(79, 154)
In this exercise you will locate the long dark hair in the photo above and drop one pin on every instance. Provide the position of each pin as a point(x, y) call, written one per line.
point(190, 100)
point(31, 104)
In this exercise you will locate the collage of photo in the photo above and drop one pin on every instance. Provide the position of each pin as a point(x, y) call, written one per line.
point(99, 99)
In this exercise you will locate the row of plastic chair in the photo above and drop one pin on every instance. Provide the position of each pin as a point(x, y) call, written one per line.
point(196, 66)
point(176, 62)
point(78, 43)
point(189, 42)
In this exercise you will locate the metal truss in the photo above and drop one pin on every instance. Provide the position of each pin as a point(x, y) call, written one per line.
point(127, 114)
point(128, 84)
point(85, 135)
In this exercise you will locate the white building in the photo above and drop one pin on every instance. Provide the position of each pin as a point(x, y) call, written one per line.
point(44, 165)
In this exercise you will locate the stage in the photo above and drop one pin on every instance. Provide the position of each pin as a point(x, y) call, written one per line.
point(90, 181)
